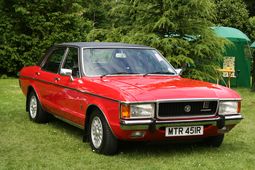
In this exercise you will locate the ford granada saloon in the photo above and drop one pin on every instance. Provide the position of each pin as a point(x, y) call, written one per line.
point(122, 92)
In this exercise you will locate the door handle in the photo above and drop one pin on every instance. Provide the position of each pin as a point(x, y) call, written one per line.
point(37, 73)
point(56, 78)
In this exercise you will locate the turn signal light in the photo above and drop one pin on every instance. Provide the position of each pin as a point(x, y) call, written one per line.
point(239, 107)
point(125, 111)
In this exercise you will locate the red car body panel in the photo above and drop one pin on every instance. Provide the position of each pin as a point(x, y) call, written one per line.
point(70, 100)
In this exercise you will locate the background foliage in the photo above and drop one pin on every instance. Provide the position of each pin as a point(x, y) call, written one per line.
point(180, 30)
point(28, 28)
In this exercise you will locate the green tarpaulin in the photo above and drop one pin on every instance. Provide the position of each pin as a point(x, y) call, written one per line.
point(231, 33)
point(239, 52)
point(253, 45)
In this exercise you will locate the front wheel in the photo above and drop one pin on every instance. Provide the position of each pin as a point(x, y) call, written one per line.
point(101, 138)
point(214, 141)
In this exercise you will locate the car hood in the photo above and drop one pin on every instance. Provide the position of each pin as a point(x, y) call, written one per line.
point(152, 88)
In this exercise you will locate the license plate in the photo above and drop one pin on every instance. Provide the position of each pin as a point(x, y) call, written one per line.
point(184, 131)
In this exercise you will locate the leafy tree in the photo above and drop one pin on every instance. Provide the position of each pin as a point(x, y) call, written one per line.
point(251, 6)
point(29, 27)
point(252, 35)
point(179, 29)
point(96, 11)
point(232, 13)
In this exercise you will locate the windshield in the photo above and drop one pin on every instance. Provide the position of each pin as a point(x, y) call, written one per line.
point(101, 62)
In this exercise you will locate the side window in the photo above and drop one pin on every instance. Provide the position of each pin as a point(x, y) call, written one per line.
point(71, 61)
point(54, 60)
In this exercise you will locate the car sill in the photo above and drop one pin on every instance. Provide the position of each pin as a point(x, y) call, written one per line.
point(69, 122)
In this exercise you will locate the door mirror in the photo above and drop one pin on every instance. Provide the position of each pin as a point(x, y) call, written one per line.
point(179, 71)
point(67, 72)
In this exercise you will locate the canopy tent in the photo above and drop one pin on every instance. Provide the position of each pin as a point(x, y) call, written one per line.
point(253, 45)
point(237, 56)
point(232, 34)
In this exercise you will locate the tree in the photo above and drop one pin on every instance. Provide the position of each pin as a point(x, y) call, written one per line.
point(252, 35)
point(29, 27)
point(179, 29)
point(232, 13)
point(96, 11)
point(250, 6)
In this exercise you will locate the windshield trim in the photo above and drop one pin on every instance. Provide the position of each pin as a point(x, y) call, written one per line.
point(113, 47)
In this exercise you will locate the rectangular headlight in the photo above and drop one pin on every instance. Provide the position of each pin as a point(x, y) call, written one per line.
point(137, 111)
point(229, 107)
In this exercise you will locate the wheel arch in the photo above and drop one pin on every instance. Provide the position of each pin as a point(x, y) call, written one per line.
point(29, 90)
point(88, 113)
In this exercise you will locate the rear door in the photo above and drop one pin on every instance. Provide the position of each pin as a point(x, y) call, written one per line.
point(48, 78)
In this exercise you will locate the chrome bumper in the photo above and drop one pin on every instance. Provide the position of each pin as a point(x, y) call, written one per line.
point(220, 122)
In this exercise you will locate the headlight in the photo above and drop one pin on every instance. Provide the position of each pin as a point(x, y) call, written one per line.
point(229, 107)
point(137, 111)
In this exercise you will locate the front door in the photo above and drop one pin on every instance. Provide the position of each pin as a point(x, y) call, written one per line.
point(72, 101)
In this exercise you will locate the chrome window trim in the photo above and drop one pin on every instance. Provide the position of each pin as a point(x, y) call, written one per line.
point(109, 47)
point(49, 54)
point(176, 74)
point(66, 55)
point(103, 47)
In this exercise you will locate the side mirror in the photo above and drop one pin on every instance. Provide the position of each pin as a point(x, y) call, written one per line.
point(67, 72)
point(179, 71)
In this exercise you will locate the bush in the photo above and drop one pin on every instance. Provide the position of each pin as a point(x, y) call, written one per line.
point(28, 28)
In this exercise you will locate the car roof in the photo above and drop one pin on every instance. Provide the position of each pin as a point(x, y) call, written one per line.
point(103, 45)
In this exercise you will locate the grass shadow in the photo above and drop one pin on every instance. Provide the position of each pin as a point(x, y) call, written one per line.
point(153, 148)
point(160, 147)
point(180, 147)
point(64, 127)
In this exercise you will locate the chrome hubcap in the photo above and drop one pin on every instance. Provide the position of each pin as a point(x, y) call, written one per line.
point(33, 107)
point(96, 132)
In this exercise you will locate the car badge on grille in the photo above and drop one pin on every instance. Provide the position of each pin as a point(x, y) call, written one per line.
point(187, 108)
point(206, 105)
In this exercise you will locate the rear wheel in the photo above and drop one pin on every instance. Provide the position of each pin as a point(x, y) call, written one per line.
point(101, 138)
point(214, 141)
point(35, 110)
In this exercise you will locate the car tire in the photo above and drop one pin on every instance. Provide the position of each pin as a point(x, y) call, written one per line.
point(101, 138)
point(214, 141)
point(35, 110)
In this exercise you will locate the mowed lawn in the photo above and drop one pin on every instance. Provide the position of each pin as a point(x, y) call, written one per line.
point(57, 145)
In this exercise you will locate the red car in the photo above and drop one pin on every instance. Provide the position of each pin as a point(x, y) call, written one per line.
point(117, 91)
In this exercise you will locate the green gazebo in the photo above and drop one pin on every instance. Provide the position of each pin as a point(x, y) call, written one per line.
point(237, 56)
point(253, 45)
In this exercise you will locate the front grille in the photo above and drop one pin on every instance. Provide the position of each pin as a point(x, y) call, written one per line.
point(186, 109)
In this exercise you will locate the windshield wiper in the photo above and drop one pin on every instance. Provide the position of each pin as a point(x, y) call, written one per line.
point(116, 74)
point(160, 72)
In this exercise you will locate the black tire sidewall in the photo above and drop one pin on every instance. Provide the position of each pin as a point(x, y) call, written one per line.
point(96, 114)
point(215, 141)
point(29, 102)
point(109, 142)
point(41, 115)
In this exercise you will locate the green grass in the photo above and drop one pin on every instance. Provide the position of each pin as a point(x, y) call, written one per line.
point(56, 145)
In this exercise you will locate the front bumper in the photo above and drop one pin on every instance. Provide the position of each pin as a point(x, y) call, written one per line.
point(220, 122)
